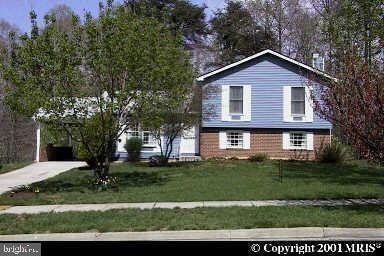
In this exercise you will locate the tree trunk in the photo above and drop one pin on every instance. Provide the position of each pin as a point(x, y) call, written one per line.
point(102, 168)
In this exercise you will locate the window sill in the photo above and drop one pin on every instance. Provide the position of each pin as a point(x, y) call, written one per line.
point(297, 121)
point(149, 146)
point(293, 149)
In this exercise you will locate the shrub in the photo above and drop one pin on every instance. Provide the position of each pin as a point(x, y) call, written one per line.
point(158, 160)
point(83, 155)
point(259, 157)
point(133, 147)
point(334, 152)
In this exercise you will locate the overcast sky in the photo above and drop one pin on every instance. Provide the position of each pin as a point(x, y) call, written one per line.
point(16, 12)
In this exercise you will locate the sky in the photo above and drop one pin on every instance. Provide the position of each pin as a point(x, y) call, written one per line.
point(16, 12)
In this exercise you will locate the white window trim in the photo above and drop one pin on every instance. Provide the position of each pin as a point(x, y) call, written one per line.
point(247, 103)
point(153, 143)
point(308, 139)
point(235, 147)
point(223, 139)
point(305, 140)
point(287, 101)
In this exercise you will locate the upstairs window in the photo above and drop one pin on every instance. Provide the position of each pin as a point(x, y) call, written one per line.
point(235, 140)
point(236, 100)
point(298, 101)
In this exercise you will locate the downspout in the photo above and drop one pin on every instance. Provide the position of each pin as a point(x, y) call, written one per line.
point(330, 135)
point(37, 158)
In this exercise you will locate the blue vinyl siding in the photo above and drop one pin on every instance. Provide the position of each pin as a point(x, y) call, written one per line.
point(267, 75)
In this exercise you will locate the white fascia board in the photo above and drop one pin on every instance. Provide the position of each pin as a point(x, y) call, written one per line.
point(203, 77)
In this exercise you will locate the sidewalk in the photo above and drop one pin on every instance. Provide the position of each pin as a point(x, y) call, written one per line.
point(307, 233)
point(35, 209)
point(33, 173)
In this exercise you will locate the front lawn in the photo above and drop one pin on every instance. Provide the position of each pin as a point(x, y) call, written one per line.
point(211, 180)
point(13, 166)
point(198, 218)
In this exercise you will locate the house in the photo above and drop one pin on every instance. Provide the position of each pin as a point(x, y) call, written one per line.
point(259, 104)
point(262, 104)
point(185, 146)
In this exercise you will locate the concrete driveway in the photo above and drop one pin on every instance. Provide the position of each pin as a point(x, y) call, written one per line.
point(33, 173)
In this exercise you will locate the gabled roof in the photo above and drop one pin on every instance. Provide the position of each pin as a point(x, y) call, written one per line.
point(268, 51)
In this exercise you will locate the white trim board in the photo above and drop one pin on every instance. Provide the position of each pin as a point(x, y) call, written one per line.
point(319, 72)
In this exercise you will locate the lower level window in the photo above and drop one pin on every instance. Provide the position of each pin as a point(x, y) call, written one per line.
point(235, 140)
point(145, 136)
point(298, 140)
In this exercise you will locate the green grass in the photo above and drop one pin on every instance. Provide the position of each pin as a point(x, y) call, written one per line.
point(189, 219)
point(212, 180)
point(14, 166)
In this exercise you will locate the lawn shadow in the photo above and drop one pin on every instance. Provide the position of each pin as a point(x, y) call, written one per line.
point(344, 174)
point(356, 208)
point(139, 179)
point(57, 186)
point(81, 182)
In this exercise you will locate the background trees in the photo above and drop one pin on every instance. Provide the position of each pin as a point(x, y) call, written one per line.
point(178, 15)
point(351, 27)
point(14, 146)
point(236, 35)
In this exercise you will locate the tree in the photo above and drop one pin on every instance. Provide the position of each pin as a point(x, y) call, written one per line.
point(179, 15)
point(62, 15)
point(355, 104)
point(352, 27)
point(293, 24)
point(99, 78)
point(237, 35)
point(13, 147)
point(277, 16)
point(304, 37)
point(172, 123)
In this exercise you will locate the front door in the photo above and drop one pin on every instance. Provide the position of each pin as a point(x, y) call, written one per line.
point(188, 142)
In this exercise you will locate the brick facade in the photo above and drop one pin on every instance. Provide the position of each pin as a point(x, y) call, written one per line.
point(268, 141)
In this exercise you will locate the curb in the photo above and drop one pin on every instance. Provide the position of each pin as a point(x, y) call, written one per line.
point(300, 233)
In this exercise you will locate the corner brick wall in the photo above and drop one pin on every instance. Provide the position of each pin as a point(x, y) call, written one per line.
point(268, 141)
point(43, 154)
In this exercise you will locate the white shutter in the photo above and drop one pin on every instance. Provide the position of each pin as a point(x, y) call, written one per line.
point(222, 140)
point(121, 143)
point(308, 105)
point(286, 144)
point(225, 103)
point(287, 117)
point(246, 140)
point(247, 102)
point(309, 140)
